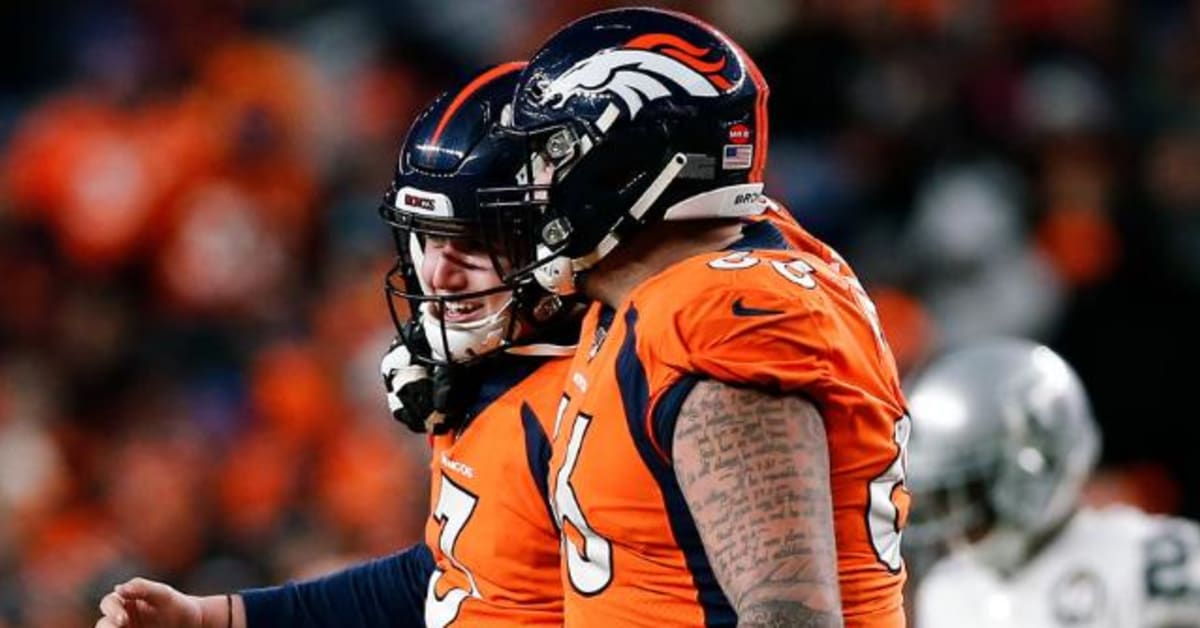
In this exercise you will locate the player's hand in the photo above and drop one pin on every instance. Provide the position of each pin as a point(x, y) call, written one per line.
point(141, 603)
point(409, 387)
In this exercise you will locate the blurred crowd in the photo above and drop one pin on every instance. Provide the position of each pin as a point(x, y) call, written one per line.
point(191, 304)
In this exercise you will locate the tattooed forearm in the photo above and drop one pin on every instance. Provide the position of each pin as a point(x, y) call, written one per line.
point(785, 615)
point(754, 470)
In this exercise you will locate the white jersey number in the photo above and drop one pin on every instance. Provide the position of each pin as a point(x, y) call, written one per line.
point(883, 513)
point(454, 507)
point(589, 568)
point(1171, 569)
point(796, 271)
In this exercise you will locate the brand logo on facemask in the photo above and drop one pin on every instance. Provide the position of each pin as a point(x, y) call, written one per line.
point(647, 68)
point(418, 202)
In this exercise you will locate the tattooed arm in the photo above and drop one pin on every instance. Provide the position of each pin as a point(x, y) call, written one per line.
point(754, 470)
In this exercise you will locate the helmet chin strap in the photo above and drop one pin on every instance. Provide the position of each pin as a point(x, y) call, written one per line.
point(463, 341)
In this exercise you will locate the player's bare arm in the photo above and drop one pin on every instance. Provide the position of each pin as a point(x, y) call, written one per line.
point(754, 470)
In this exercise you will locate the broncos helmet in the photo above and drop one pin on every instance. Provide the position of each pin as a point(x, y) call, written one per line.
point(452, 150)
point(1003, 440)
point(632, 116)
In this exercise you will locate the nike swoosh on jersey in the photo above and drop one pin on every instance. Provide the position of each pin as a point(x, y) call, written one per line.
point(741, 310)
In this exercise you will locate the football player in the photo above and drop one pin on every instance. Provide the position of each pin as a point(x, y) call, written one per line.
point(731, 445)
point(466, 372)
point(1003, 441)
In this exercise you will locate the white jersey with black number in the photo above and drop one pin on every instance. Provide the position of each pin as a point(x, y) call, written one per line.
point(1110, 568)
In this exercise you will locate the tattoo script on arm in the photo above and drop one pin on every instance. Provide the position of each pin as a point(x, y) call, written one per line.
point(754, 470)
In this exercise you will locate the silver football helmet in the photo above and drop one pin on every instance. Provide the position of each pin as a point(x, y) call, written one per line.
point(1003, 440)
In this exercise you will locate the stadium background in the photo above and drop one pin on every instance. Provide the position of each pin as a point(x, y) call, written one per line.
point(191, 310)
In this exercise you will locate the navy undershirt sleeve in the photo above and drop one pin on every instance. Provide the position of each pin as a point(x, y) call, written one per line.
point(387, 591)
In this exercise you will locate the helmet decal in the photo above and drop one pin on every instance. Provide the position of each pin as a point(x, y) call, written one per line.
point(681, 49)
point(646, 69)
point(465, 94)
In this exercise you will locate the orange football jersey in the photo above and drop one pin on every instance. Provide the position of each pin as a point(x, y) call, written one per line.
point(490, 530)
point(780, 311)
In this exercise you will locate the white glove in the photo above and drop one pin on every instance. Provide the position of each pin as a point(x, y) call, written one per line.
point(408, 386)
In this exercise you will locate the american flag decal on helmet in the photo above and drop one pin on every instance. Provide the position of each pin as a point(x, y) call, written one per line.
point(737, 157)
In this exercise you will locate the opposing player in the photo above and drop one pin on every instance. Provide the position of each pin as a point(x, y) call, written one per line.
point(490, 553)
point(731, 445)
point(1003, 440)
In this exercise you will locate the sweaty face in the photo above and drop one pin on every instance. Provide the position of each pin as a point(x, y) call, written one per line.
point(455, 266)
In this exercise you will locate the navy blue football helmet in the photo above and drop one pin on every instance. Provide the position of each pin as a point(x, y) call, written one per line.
point(632, 116)
point(452, 150)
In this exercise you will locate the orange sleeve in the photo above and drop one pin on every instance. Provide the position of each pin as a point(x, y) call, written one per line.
point(755, 330)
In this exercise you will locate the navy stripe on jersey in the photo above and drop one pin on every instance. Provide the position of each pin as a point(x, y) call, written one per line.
point(605, 319)
point(667, 412)
point(761, 235)
point(537, 453)
point(635, 397)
